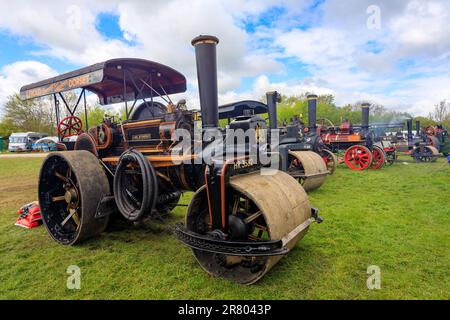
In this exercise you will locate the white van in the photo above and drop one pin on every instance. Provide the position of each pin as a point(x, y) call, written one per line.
point(23, 141)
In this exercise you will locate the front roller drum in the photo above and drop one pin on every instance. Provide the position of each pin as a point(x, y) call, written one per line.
point(308, 168)
point(71, 186)
point(428, 154)
point(273, 207)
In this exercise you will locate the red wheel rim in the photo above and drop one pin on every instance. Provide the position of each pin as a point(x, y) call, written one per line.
point(330, 160)
point(358, 158)
point(378, 158)
point(70, 126)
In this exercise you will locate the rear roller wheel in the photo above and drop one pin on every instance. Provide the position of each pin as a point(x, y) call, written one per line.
point(71, 185)
point(358, 158)
point(270, 207)
point(391, 155)
point(429, 154)
point(378, 158)
point(330, 160)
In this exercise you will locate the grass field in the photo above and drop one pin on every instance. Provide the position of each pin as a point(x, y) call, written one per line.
point(397, 218)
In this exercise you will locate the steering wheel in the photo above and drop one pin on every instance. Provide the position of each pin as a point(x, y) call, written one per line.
point(70, 126)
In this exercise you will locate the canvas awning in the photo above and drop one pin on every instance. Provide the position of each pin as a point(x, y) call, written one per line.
point(110, 79)
point(236, 109)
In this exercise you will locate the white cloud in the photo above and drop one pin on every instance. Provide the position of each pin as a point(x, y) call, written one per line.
point(423, 27)
point(161, 31)
point(15, 75)
point(398, 65)
point(262, 84)
point(335, 46)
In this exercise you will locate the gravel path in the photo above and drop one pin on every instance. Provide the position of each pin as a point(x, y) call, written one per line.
point(24, 155)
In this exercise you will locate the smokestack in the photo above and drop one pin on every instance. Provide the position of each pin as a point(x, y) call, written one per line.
point(205, 56)
point(312, 111)
point(365, 107)
point(417, 127)
point(409, 128)
point(272, 98)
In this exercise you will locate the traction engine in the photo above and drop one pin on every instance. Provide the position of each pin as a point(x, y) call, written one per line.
point(358, 144)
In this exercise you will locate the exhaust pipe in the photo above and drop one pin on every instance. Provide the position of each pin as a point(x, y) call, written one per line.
point(417, 127)
point(312, 112)
point(365, 107)
point(410, 134)
point(205, 56)
point(272, 98)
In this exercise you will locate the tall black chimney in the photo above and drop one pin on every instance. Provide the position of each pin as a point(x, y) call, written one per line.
point(365, 107)
point(272, 98)
point(417, 127)
point(312, 112)
point(410, 134)
point(205, 55)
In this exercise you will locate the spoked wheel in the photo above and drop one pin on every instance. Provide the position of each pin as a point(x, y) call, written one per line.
point(358, 157)
point(378, 158)
point(429, 154)
point(308, 168)
point(71, 184)
point(70, 126)
point(330, 160)
point(269, 210)
point(391, 157)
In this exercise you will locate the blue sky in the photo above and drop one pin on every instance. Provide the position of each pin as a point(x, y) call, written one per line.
point(395, 53)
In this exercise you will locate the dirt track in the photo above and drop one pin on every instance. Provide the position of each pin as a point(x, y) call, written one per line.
point(23, 155)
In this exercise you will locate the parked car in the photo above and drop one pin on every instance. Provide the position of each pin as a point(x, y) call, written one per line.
point(46, 144)
point(23, 141)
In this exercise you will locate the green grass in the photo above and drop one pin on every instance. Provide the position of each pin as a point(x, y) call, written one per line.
point(397, 218)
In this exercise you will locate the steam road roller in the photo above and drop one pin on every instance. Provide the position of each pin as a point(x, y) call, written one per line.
point(239, 222)
point(302, 153)
point(428, 143)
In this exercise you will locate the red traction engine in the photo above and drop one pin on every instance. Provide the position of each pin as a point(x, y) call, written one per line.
point(356, 142)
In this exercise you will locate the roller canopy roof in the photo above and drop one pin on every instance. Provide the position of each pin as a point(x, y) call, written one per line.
point(106, 79)
point(236, 109)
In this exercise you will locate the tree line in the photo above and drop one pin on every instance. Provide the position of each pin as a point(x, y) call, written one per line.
point(38, 115)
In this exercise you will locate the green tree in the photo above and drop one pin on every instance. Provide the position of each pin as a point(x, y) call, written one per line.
point(95, 113)
point(7, 127)
point(30, 115)
point(424, 122)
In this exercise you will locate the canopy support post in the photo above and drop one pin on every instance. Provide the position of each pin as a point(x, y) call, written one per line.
point(85, 109)
point(125, 92)
point(56, 102)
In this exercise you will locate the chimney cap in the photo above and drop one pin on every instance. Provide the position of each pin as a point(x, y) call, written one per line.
point(275, 94)
point(204, 39)
point(311, 96)
point(365, 104)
